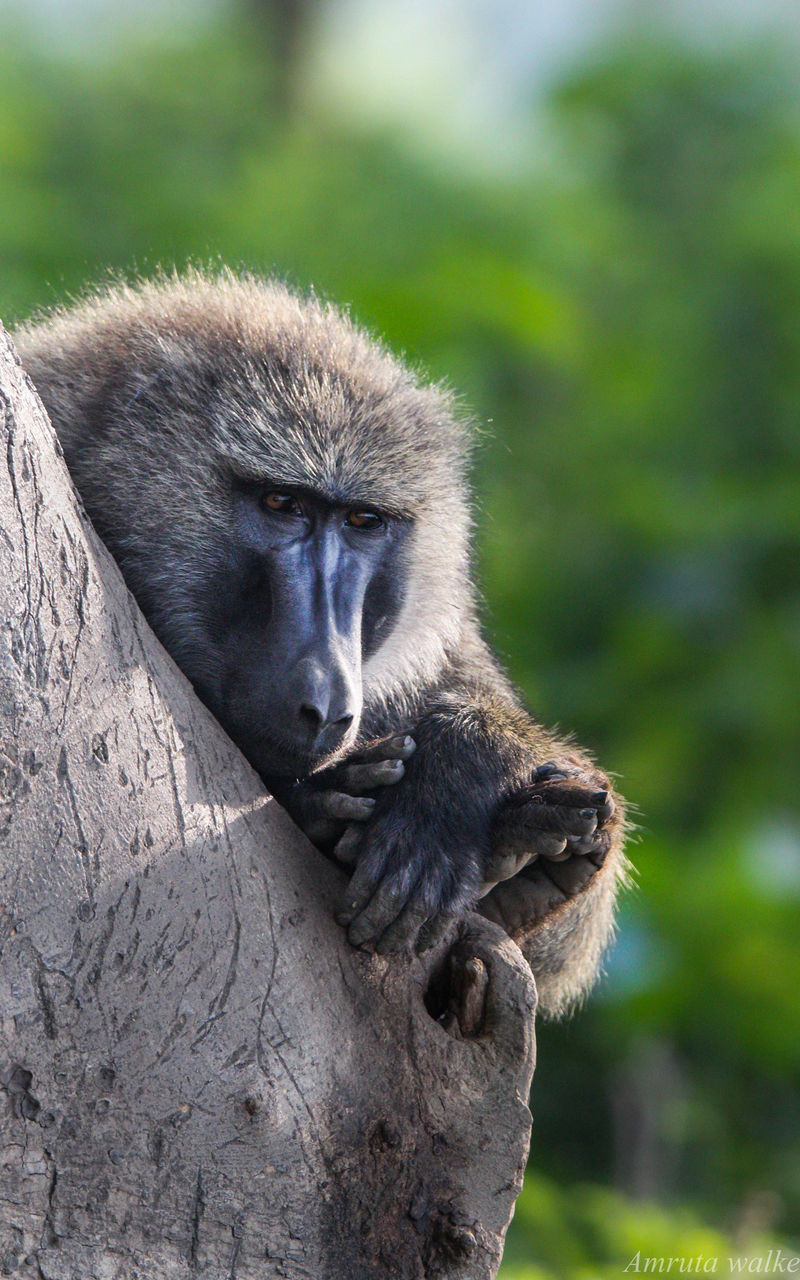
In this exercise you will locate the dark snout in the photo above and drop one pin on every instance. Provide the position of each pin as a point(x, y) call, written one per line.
point(326, 700)
point(314, 644)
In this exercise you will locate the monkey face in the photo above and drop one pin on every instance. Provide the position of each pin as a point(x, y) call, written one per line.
point(309, 589)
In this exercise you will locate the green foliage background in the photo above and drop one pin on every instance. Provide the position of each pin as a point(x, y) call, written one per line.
point(623, 321)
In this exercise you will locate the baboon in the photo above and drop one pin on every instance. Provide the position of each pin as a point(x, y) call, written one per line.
point(289, 504)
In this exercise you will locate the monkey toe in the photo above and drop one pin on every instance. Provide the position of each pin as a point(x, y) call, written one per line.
point(569, 875)
point(552, 847)
point(548, 770)
point(521, 903)
point(557, 816)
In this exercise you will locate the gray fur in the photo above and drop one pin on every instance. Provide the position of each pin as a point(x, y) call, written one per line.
point(159, 390)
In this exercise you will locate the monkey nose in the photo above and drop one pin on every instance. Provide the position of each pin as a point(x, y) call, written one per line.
point(326, 712)
point(319, 720)
point(327, 704)
point(325, 732)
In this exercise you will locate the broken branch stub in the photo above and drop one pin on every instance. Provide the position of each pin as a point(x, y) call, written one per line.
point(198, 1075)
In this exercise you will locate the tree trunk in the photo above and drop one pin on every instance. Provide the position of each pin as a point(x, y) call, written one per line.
point(198, 1074)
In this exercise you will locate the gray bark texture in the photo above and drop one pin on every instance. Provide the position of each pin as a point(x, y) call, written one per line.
point(198, 1075)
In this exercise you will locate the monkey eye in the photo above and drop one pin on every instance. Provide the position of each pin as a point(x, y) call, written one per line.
point(364, 519)
point(285, 503)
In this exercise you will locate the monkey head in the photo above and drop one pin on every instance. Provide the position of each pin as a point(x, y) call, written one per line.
point(285, 499)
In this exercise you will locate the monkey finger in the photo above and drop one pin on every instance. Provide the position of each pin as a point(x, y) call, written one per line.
point(347, 808)
point(398, 747)
point(582, 846)
point(346, 851)
point(358, 778)
point(606, 812)
point(600, 845)
point(558, 819)
point(580, 822)
point(405, 930)
point(361, 889)
point(383, 908)
point(594, 847)
point(310, 812)
point(323, 812)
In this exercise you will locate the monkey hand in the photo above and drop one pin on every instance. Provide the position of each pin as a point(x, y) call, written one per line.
point(548, 840)
point(413, 875)
point(324, 804)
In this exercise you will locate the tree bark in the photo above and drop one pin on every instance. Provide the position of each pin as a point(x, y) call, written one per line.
point(198, 1074)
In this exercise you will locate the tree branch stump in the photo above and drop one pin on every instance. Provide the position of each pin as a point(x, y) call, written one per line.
point(198, 1075)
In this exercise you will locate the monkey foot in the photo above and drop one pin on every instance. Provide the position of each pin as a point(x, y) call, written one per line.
point(549, 840)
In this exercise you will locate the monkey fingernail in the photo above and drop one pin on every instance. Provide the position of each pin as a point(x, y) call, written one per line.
point(599, 798)
point(546, 770)
point(582, 823)
point(391, 770)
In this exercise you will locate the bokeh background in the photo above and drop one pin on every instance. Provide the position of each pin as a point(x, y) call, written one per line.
point(586, 217)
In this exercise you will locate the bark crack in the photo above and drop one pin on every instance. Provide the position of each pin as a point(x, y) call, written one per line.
point(82, 848)
point(197, 1210)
